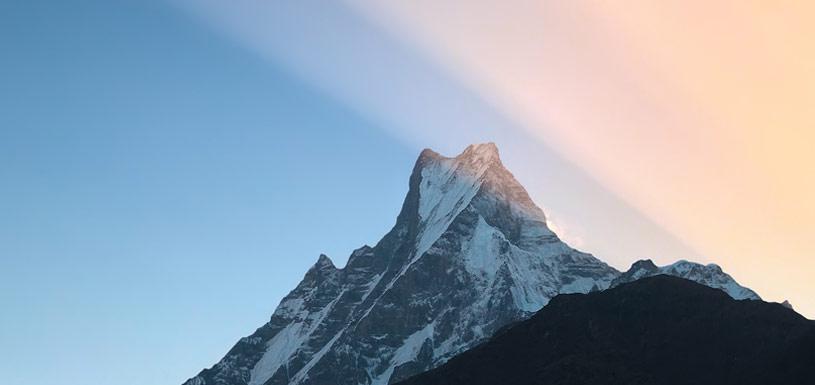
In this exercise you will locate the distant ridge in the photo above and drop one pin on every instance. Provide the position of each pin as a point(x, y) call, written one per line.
point(710, 275)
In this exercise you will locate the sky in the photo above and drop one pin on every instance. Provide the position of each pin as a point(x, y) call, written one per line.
point(169, 169)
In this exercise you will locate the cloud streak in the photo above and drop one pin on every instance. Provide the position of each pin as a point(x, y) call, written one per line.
point(576, 93)
point(698, 113)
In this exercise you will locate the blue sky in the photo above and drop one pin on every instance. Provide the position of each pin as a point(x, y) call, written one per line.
point(162, 186)
point(162, 189)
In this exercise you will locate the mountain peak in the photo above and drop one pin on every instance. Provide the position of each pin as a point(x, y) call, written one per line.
point(470, 252)
point(474, 154)
point(324, 262)
point(644, 264)
point(429, 154)
point(484, 151)
point(474, 181)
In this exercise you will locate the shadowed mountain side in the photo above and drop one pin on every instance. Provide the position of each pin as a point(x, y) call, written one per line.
point(657, 330)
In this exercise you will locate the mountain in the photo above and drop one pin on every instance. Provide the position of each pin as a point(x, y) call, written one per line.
point(710, 275)
point(469, 253)
point(656, 330)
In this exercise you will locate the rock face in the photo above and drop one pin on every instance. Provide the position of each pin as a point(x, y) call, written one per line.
point(469, 253)
point(710, 275)
point(656, 330)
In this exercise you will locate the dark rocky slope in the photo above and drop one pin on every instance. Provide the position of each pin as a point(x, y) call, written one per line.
point(657, 330)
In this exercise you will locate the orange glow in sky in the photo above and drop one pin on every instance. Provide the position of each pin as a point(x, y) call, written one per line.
point(697, 113)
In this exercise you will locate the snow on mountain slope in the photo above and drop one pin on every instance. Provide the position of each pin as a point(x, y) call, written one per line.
point(710, 275)
point(469, 253)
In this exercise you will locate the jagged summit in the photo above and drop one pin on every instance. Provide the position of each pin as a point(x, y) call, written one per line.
point(428, 154)
point(644, 264)
point(470, 252)
point(324, 262)
point(485, 152)
point(473, 162)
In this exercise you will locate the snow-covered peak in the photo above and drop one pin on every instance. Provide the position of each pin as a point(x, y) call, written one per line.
point(470, 253)
point(483, 152)
point(447, 186)
point(474, 157)
point(710, 275)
